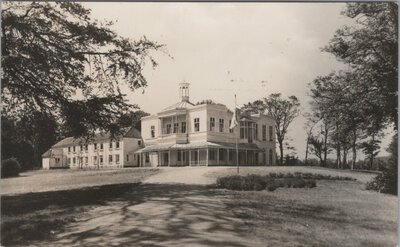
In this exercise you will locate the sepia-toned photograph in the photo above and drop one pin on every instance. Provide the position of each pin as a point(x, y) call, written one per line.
point(230, 124)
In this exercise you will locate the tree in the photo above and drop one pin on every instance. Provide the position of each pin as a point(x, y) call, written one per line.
point(370, 47)
point(132, 119)
point(58, 61)
point(284, 111)
point(317, 147)
point(371, 149)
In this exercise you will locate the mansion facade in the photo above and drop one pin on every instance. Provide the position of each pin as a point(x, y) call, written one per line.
point(183, 134)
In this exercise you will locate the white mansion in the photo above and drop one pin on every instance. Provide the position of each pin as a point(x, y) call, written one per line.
point(183, 134)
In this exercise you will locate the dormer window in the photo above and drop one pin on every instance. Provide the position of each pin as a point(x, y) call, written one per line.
point(212, 124)
point(152, 131)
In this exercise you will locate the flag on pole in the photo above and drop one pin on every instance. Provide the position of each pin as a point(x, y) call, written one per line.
point(235, 119)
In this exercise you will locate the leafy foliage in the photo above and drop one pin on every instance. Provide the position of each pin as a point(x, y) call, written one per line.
point(58, 61)
point(10, 168)
point(283, 110)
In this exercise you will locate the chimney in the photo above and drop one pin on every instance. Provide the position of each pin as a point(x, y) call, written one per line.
point(184, 91)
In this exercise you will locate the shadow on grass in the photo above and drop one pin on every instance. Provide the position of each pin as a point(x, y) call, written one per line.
point(36, 216)
point(124, 215)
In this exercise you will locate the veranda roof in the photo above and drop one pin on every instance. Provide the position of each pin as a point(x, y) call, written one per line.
point(195, 145)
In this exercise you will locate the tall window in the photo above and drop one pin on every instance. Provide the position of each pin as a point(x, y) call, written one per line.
point(110, 144)
point(153, 131)
point(221, 125)
point(230, 130)
point(69, 149)
point(183, 127)
point(95, 146)
point(73, 149)
point(270, 157)
point(69, 161)
point(212, 124)
point(196, 124)
point(86, 160)
point(168, 128)
point(147, 157)
point(74, 160)
point(256, 134)
point(86, 147)
point(271, 133)
point(242, 130)
point(117, 145)
point(101, 159)
point(81, 148)
point(212, 154)
point(101, 146)
point(127, 157)
point(264, 132)
point(179, 155)
point(176, 127)
point(117, 158)
point(110, 159)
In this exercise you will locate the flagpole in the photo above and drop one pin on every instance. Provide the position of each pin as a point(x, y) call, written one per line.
point(237, 148)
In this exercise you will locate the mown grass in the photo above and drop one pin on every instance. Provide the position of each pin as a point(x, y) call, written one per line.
point(38, 216)
point(335, 213)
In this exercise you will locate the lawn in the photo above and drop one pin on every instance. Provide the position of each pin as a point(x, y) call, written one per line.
point(60, 197)
point(335, 213)
point(53, 180)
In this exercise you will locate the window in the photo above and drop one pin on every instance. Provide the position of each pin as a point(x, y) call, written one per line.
point(271, 133)
point(230, 130)
point(139, 142)
point(95, 146)
point(101, 159)
point(101, 146)
point(256, 133)
point(212, 154)
point(212, 124)
point(147, 157)
point(86, 160)
point(179, 156)
point(73, 149)
point(221, 154)
point(176, 127)
point(271, 158)
point(86, 147)
point(111, 145)
point(69, 149)
point(81, 160)
point(95, 159)
point(117, 145)
point(127, 157)
point(196, 124)
point(242, 132)
point(117, 158)
point(110, 159)
point(183, 127)
point(69, 161)
point(57, 160)
point(81, 147)
point(264, 133)
point(231, 154)
point(168, 128)
point(74, 160)
point(152, 131)
point(221, 125)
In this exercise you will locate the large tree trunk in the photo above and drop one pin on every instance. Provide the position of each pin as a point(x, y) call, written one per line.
point(354, 149)
point(326, 143)
point(344, 163)
point(338, 156)
point(306, 158)
point(281, 151)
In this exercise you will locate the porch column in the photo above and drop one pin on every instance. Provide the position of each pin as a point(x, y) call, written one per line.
point(227, 157)
point(207, 157)
point(169, 157)
point(140, 159)
point(190, 157)
point(217, 156)
point(198, 156)
point(246, 159)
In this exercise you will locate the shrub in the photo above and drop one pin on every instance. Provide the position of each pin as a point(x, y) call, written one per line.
point(258, 182)
point(10, 168)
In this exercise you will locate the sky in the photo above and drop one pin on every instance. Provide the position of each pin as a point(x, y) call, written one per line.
point(222, 49)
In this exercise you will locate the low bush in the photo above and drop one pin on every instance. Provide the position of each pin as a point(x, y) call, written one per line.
point(308, 175)
point(10, 168)
point(258, 182)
